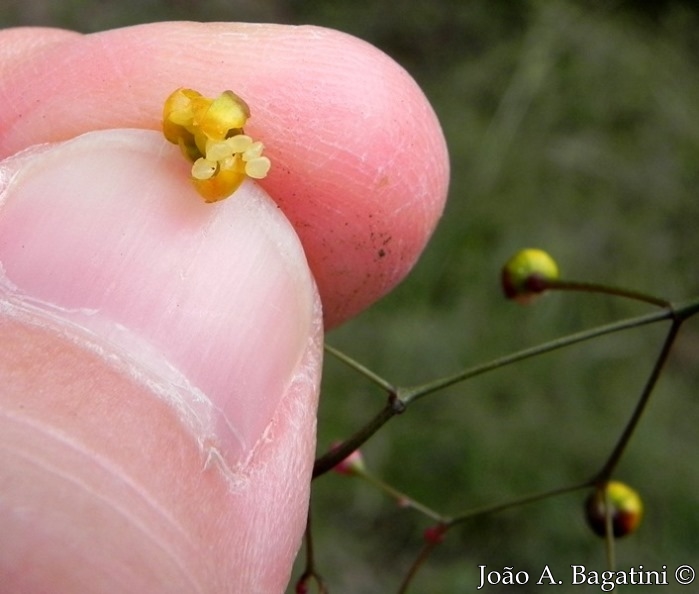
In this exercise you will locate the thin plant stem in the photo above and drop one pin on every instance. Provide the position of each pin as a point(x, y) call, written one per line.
point(609, 530)
point(429, 546)
point(310, 570)
point(407, 395)
point(363, 370)
point(310, 556)
point(686, 310)
point(400, 398)
point(564, 285)
point(520, 501)
point(623, 441)
point(422, 556)
point(401, 498)
point(336, 455)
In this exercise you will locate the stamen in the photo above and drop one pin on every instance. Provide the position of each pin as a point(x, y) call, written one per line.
point(258, 167)
point(217, 150)
point(204, 169)
point(239, 143)
point(254, 151)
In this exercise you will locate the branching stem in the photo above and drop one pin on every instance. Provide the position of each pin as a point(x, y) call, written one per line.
point(410, 394)
point(362, 369)
point(520, 501)
point(338, 454)
point(613, 460)
point(400, 398)
point(401, 498)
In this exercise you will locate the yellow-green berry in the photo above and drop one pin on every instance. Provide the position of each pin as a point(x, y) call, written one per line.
point(526, 274)
point(626, 509)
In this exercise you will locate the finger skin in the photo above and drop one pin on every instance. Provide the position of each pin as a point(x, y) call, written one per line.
point(360, 165)
point(157, 399)
point(114, 492)
point(105, 493)
point(18, 45)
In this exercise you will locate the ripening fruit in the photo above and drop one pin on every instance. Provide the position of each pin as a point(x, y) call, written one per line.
point(626, 509)
point(525, 275)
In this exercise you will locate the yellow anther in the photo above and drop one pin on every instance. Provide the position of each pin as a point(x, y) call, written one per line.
point(217, 150)
point(258, 167)
point(239, 143)
point(204, 168)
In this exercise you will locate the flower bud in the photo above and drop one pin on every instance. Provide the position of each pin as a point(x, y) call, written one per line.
point(626, 509)
point(353, 464)
point(434, 534)
point(302, 586)
point(526, 274)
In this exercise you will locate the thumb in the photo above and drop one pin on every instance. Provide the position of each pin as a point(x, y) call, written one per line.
point(159, 368)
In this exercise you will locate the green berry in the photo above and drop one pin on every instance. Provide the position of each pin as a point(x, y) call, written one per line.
point(526, 274)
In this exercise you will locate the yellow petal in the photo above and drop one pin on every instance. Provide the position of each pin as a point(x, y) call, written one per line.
point(226, 112)
point(220, 186)
point(178, 112)
point(210, 134)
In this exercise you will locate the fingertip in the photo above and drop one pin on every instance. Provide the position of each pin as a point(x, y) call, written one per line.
point(160, 372)
point(20, 44)
point(142, 261)
point(360, 164)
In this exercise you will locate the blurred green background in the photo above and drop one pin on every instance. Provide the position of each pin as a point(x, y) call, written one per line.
point(572, 126)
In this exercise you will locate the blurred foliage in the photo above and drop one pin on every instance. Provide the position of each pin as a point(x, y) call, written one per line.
point(572, 126)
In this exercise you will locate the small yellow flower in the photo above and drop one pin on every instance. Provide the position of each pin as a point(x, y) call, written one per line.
point(210, 134)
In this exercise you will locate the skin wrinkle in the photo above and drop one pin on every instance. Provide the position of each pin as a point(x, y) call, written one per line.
point(194, 410)
point(18, 45)
point(288, 463)
point(91, 458)
point(291, 408)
